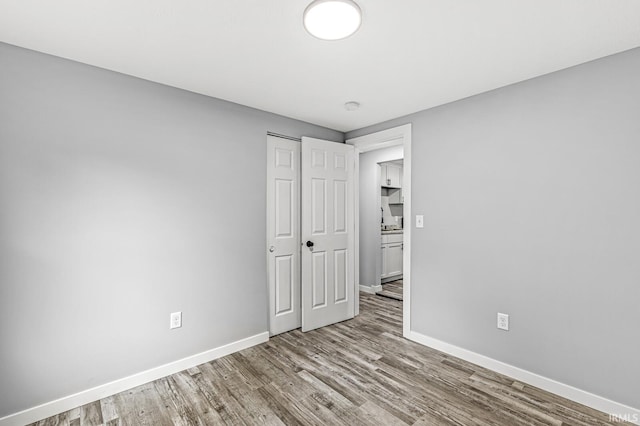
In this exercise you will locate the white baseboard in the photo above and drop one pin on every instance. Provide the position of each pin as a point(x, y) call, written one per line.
point(369, 289)
point(391, 279)
point(620, 411)
point(72, 401)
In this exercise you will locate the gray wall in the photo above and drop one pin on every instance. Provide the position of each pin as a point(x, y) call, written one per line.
point(531, 197)
point(121, 201)
point(369, 194)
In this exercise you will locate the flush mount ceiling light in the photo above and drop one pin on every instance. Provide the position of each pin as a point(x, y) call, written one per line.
point(332, 19)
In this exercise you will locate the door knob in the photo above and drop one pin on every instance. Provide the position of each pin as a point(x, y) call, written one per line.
point(309, 244)
point(272, 249)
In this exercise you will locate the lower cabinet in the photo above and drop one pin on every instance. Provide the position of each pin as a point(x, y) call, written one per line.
point(391, 252)
point(394, 259)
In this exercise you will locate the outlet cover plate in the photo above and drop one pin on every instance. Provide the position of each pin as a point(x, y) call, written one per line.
point(176, 320)
point(503, 321)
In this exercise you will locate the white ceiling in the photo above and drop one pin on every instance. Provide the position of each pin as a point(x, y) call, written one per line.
point(409, 55)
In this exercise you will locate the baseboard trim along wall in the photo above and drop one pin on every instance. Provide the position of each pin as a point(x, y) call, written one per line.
point(619, 411)
point(52, 408)
point(369, 289)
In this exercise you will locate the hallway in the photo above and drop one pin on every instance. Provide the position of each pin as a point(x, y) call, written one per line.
point(392, 290)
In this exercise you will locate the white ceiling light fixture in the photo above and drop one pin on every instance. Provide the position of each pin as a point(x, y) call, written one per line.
point(332, 19)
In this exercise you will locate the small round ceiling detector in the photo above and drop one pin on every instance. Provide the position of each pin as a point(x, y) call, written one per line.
point(351, 105)
point(332, 19)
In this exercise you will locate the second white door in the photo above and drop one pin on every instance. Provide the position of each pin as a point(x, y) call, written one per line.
point(283, 234)
point(328, 234)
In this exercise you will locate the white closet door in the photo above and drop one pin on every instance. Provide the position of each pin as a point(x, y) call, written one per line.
point(328, 264)
point(283, 234)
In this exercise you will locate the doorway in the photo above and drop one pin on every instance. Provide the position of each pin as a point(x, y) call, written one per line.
point(368, 225)
point(391, 198)
point(284, 299)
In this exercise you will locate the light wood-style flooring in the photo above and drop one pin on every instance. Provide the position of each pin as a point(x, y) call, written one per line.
point(358, 372)
point(392, 290)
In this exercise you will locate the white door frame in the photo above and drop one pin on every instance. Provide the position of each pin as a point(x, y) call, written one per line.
point(395, 136)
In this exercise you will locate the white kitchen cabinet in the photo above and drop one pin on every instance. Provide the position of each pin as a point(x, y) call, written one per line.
point(383, 255)
point(391, 253)
point(394, 259)
point(391, 176)
point(395, 196)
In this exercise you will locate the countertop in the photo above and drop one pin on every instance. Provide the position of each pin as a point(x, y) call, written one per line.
point(395, 231)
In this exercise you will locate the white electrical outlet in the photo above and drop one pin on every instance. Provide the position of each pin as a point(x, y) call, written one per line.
point(503, 321)
point(176, 320)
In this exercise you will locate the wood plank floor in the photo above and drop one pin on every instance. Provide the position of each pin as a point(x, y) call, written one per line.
point(358, 372)
point(392, 290)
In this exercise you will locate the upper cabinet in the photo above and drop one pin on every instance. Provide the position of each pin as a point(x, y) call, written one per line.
point(391, 176)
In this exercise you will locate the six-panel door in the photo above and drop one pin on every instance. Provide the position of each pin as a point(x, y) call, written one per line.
point(327, 272)
point(283, 234)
